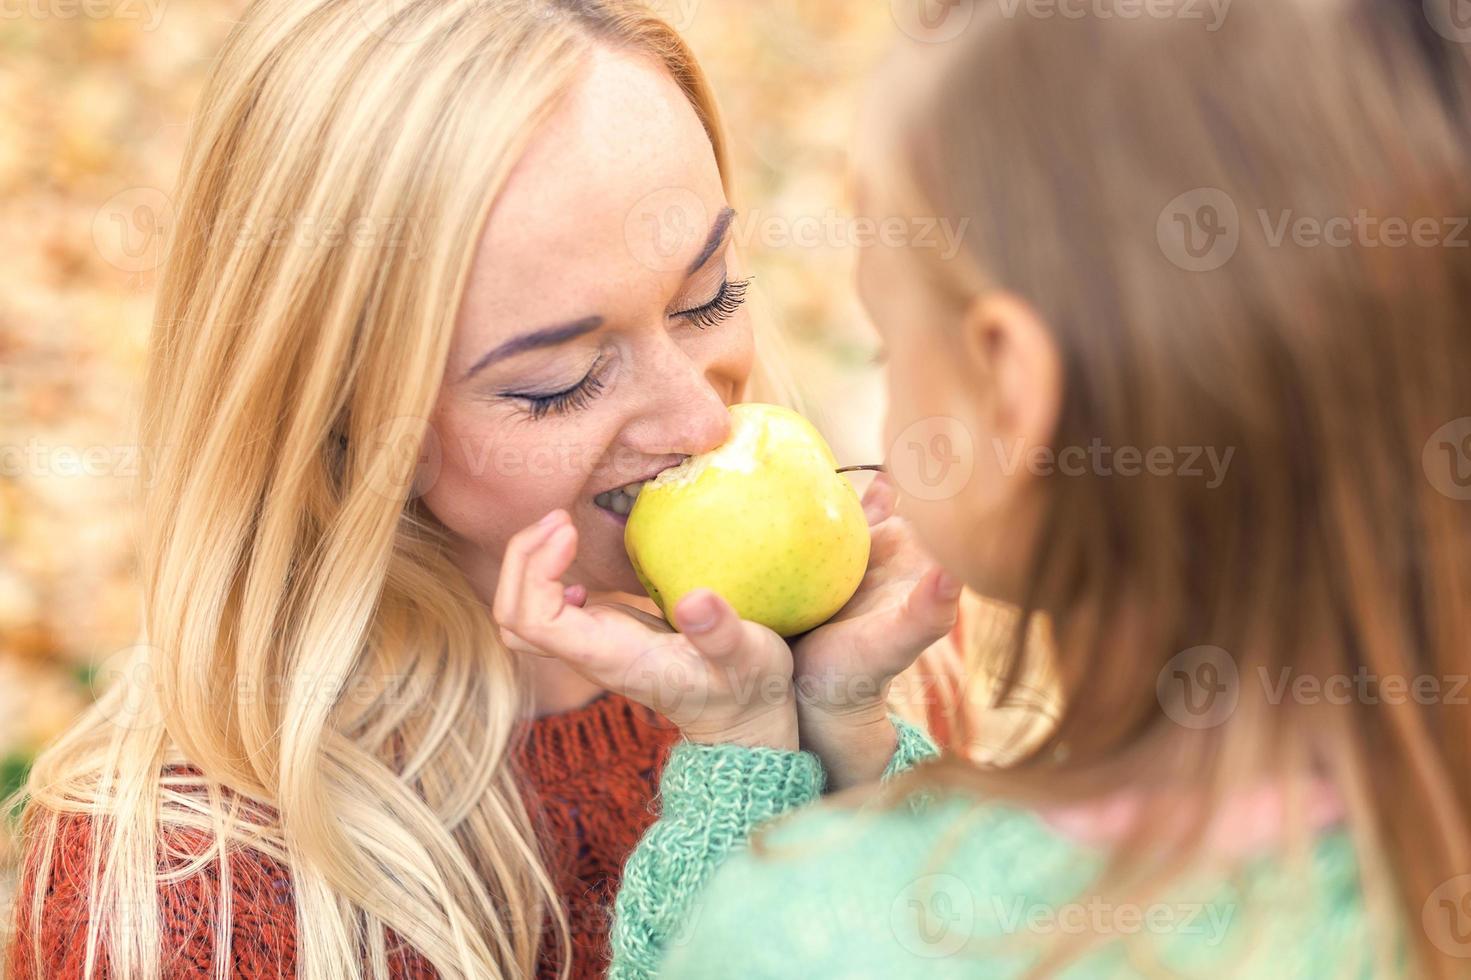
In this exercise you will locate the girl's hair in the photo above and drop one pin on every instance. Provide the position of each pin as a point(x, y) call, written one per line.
point(1335, 545)
point(309, 644)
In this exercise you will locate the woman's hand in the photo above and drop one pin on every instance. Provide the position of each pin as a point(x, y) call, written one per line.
point(844, 667)
point(720, 679)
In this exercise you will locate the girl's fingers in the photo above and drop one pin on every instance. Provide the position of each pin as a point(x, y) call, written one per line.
point(892, 548)
point(935, 600)
point(710, 624)
point(575, 595)
point(925, 615)
point(879, 499)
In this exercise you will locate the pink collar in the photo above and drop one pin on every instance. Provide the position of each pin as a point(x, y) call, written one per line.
point(1252, 821)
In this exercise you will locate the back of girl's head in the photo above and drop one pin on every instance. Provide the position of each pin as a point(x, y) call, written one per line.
point(1248, 240)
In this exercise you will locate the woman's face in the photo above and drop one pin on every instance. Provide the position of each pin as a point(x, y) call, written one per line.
point(601, 335)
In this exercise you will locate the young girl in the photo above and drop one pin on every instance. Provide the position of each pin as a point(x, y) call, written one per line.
point(1247, 242)
point(439, 266)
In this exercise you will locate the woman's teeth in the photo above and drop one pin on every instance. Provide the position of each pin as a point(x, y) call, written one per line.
point(619, 501)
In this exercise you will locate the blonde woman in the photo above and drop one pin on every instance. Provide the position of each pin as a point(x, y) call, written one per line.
point(413, 304)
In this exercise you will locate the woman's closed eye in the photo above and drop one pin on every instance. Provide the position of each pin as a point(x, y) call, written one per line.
point(726, 301)
point(541, 404)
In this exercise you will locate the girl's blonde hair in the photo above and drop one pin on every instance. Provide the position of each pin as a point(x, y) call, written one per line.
point(1337, 544)
point(309, 644)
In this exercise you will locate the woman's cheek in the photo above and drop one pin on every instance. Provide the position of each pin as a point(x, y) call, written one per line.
point(482, 478)
point(735, 358)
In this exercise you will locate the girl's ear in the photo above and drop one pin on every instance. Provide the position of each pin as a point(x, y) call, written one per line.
point(1010, 350)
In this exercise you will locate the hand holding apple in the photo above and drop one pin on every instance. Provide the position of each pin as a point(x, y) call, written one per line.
point(844, 668)
point(768, 522)
point(765, 520)
point(721, 679)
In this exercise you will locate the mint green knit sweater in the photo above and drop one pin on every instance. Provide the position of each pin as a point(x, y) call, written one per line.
point(940, 887)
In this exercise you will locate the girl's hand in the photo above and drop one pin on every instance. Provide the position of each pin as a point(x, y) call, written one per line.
point(720, 679)
point(845, 666)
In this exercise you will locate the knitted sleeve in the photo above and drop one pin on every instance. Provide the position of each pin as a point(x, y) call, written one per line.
point(914, 747)
point(713, 797)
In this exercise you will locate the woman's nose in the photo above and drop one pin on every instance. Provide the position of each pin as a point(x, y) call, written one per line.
point(707, 423)
point(685, 414)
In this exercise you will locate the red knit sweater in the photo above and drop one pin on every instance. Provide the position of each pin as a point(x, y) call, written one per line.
point(590, 777)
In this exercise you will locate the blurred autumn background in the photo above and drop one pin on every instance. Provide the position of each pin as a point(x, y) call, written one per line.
point(97, 96)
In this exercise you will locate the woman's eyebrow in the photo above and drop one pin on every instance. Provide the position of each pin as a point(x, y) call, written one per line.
point(717, 235)
point(545, 337)
point(551, 336)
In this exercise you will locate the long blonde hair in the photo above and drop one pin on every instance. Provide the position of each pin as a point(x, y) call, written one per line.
point(1330, 547)
point(308, 644)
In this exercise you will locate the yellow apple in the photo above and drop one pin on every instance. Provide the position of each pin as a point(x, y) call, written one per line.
point(765, 521)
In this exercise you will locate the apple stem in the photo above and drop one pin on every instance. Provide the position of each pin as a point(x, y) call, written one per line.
point(879, 467)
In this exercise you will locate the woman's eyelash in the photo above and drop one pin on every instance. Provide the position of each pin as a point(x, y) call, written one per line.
point(568, 400)
point(725, 303)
